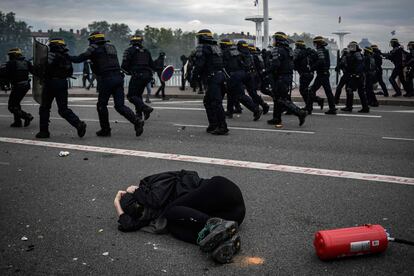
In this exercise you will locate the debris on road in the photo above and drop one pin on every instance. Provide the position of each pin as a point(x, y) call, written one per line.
point(163, 270)
point(75, 259)
point(100, 230)
point(63, 153)
point(105, 253)
point(86, 158)
point(24, 238)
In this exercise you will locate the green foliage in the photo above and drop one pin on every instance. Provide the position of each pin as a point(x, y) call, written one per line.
point(13, 34)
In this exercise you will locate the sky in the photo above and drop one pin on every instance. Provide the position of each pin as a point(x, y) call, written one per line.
point(372, 19)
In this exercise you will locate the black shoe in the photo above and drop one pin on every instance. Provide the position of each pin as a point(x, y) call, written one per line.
point(139, 127)
point(321, 103)
point(182, 88)
point(229, 114)
point(257, 115)
point(216, 232)
point(220, 131)
point(165, 98)
point(386, 95)
point(17, 124)
point(309, 111)
point(347, 109)
point(331, 112)
point(210, 128)
point(81, 129)
point(364, 110)
point(266, 108)
point(147, 112)
point(408, 95)
point(43, 134)
point(396, 95)
point(27, 120)
point(302, 116)
point(224, 253)
point(273, 122)
point(104, 132)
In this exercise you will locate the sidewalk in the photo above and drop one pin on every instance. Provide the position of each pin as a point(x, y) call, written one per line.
point(174, 92)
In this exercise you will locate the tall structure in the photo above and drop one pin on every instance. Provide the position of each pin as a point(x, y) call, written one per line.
point(258, 20)
point(341, 35)
point(266, 24)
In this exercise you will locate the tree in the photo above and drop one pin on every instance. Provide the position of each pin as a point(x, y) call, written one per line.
point(99, 26)
point(13, 34)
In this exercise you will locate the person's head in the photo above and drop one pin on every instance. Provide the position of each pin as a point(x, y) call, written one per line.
point(226, 43)
point(410, 45)
point(242, 45)
point(375, 48)
point(162, 55)
point(280, 39)
point(394, 43)
point(368, 51)
point(300, 44)
point(14, 53)
point(57, 44)
point(345, 51)
point(97, 38)
point(353, 46)
point(319, 41)
point(131, 206)
point(136, 40)
point(204, 36)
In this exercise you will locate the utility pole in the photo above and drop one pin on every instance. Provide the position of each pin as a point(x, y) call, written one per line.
point(266, 24)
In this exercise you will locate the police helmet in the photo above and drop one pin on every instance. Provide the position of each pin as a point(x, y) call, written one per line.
point(204, 35)
point(136, 39)
point(319, 41)
point(394, 42)
point(280, 38)
point(57, 44)
point(97, 37)
point(15, 52)
point(353, 46)
point(225, 42)
point(410, 45)
point(368, 50)
point(300, 44)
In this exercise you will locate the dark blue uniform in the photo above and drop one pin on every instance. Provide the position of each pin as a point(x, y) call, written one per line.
point(397, 56)
point(378, 75)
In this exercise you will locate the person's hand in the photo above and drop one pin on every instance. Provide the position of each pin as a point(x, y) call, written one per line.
point(119, 195)
point(131, 189)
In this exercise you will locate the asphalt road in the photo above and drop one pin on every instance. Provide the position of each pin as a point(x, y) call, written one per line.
point(64, 205)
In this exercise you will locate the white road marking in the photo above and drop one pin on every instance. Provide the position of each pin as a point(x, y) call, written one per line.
point(396, 138)
point(218, 161)
point(5, 163)
point(394, 111)
point(252, 129)
point(348, 115)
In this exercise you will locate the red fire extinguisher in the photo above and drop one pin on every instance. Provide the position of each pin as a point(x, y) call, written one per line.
point(360, 240)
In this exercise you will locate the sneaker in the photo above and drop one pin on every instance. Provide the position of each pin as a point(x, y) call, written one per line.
point(257, 115)
point(266, 108)
point(347, 109)
point(331, 112)
point(147, 112)
point(224, 253)
point(302, 116)
point(43, 134)
point(215, 232)
point(139, 127)
point(81, 129)
point(16, 124)
point(104, 133)
point(27, 120)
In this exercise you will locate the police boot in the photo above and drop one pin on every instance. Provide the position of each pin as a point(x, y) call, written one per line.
point(331, 112)
point(364, 110)
point(211, 128)
point(257, 114)
point(224, 253)
point(139, 127)
point(347, 109)
point(105, 132)
point(215, 232)
point(81, 129)
point(273, 121)
point(16, 123)
point(28, 118)
point(147, 112)
point(221, 130)
point(302, 115)
point(43, 134)
point(266, 108)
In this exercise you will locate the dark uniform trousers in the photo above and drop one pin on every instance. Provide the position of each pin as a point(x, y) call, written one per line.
point(369, 88)
point(236, 92)
point(398, 72)
point(56, 89)
point(381, 81)
point(213, 100)
point(342, 82)
point(107, 86)
point(19, 90)
point(322, 79)
point(136, 88)
point(356, 82)
point(304, 81)
point(281, 100)
point(251, 82)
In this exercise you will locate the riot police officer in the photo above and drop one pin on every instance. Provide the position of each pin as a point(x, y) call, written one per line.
point(378, 76)
point(281, 70)
point(410, 65)
point(396, 56)
point(208, 65)
point(302, 60)
point(233, 64)
point(355, 68)
point(345, 76)
point(58, 69)
point(138, 63)
point(370, 73)
point(159, 65)
point(110, 82)
point(16, 72)
point(321, 66)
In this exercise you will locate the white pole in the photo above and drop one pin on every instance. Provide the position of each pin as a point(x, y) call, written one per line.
point(266, 24)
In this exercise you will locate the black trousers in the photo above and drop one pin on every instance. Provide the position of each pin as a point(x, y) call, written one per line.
point(356, 82)
point(112, 86)
point(56, 89)
point(136, 88)
point(369, 89)
point(236, 93)
point(17, 94)
point(213, 100)
point(183, 80)
point(281, 99)
point(251, 84)
point(398, 72)
point(322, 79)
point(380, 81)
point(216, 197)
point(162, 87)
point(304, 81)
point(342, 82)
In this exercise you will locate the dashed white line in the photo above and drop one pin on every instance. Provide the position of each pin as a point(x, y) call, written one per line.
point(218, 161)
point(397, 138)
point(252, 129)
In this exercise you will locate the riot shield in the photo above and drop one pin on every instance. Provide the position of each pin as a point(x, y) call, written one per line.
point(4, 83)
point(40, 52)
